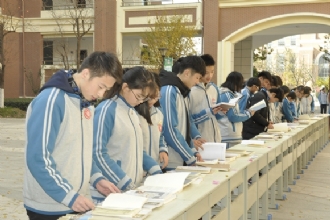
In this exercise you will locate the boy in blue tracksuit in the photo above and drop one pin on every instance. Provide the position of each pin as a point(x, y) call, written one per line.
point(179, 130)
point(118, 139)
point(252, 86)
point(286, 108)
point(202, 98)
point(59, 128)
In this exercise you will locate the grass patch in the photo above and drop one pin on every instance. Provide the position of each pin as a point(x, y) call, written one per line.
point(9, 112)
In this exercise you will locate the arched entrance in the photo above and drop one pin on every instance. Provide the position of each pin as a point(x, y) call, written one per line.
point(235, 50)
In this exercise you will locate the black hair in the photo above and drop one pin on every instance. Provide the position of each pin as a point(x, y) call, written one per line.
point(273, 82)
point(307, 90)
point(253, 81)
point(285, 89)
point(279, 80)
point(208, 59)
point(300, 88)
point(292, 95)
point(101, 64)
point(278, 93)
point(265, 75)
point(176, 66)
point(195, 63)
point(140, 78)
point(234, 82)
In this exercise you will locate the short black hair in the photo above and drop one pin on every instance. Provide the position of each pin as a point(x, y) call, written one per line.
point(279, 80)
point(307, 90)
point(253, 81)
point(265, 75)
point(285, 89)
point(234, 82)
point(208, 59)
point(300, 88)
point(278, 93)
point(273, 82)
point(176, 65)
point(195, 63)
point(292, 95)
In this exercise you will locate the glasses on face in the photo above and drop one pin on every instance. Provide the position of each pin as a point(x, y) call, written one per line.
point(139, 98)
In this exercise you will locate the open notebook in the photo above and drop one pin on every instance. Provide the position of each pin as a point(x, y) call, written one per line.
point(227, 105)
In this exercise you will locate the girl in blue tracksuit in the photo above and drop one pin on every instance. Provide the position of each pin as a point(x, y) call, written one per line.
point(231, 125)
point(153, 138)
point(118, 147)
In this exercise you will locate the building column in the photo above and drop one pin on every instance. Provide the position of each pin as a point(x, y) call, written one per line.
point(105, 26)
point(225, 60)
point(243, 57)
point(210, 32)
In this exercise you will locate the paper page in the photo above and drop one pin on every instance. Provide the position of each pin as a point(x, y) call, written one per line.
point(304, 117)
point(172, 180)
point(213, 151)
point(123, 201)
point(279, 127)
point(252, 142)
point(259, 105)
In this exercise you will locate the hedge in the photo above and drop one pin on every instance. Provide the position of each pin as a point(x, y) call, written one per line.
point(21, 103)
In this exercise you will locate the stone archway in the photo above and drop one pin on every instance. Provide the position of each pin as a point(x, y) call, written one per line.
point(226, 47)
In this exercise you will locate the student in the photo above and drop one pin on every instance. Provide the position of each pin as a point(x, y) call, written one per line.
point(323, 99)
point(286, 108)
point(58, 159)
point(179, 130)
point(202, 98)
point(231, 125)
point(153, 138)
point(252, 86)
point(265, 80)
point(307, 101)
point(118, 139)
point(299, 90)
point(260, 122)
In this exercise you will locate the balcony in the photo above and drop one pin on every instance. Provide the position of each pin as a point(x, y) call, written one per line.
point(130, 3)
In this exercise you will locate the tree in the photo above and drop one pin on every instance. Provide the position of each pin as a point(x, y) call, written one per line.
point(171, 32)
point(74, 18)
point(8, 23)
point(259, 57)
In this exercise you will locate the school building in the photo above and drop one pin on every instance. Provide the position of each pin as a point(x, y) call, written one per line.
point(39, 32)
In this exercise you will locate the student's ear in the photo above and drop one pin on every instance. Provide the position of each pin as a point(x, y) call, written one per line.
point(85, 74)
point(186, 72)
point(124, 86)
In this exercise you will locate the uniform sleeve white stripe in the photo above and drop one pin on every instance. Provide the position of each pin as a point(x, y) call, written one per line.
point(169, 117)
point(45, 138)
point(99, 142)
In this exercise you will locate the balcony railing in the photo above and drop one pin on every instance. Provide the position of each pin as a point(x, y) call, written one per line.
point(66, 7)
point(128, 3)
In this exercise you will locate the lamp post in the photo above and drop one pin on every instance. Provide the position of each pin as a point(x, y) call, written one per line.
point(162, 51)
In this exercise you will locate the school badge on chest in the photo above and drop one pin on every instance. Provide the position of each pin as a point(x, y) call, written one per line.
point(87, 113)
point(160, 126)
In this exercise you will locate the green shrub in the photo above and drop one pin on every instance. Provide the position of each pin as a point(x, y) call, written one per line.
point(9, 112)
point(20, 103)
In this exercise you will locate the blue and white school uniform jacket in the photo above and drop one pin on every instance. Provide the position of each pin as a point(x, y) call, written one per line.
point(307, 104)
point(245, 92)
point(201, 100)
point(231, 125)
point(118, 144)
point(176, 119)
point(58, 151)
point(153, 138)
point(287, 111)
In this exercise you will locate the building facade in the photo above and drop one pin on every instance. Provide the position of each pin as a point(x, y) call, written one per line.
point(230, 31)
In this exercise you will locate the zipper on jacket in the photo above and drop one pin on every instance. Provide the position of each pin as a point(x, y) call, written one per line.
point(136, 150)
point(82, 150)
point(207, 98)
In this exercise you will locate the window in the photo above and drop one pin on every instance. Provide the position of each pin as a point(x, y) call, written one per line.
point(81, 3)
point(47, 4)
point(281, 42)
point(83, 55)
point(293, 41)
point(323, 67)
point(48, 52)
